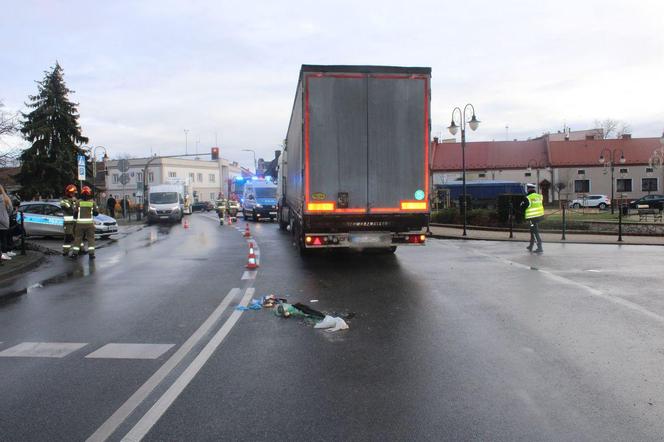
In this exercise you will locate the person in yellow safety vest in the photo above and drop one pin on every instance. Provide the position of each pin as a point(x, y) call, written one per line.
point(534, 205)
point(86, 210)
point(68, 204)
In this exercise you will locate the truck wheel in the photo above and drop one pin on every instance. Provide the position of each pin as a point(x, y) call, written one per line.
point(576, 205)
point(283, 224)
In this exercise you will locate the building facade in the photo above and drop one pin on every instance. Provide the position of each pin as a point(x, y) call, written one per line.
point(207, 178)
point(564, 169)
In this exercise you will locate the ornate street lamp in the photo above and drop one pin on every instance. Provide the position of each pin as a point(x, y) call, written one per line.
point(611, 163)
point(453, 128)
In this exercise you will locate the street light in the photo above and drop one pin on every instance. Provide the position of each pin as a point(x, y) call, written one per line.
point(453, 128)
point(537, 165)
point(186, 143)
point(611, 163)
point(255, 164)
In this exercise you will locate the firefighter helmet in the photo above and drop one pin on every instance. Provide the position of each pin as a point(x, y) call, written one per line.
point(86, 191)
point(70, 190)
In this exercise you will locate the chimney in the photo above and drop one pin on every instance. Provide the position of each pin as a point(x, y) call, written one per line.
point(626, 136)
point(435, 140)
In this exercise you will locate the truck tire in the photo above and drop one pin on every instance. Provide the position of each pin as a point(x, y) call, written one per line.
point(283, 224)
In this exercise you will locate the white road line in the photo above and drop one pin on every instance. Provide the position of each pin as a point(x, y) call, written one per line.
point(593, 291)
point(117, 418)
point(166, 400)
point(130, 351)
point(249, 274)
point(42, 349)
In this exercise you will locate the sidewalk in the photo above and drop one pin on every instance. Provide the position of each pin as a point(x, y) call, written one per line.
point(572, 238)
point(20, 264)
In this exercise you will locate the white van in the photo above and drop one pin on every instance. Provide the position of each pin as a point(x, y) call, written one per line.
point(166, 203)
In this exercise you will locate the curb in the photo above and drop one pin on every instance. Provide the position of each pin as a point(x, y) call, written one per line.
point(23, 268)
point(554, 241)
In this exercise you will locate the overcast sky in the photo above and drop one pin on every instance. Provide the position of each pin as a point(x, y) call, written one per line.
point(144, 71)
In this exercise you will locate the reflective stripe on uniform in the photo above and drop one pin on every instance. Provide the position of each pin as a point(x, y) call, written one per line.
point(90, 248)
point(69, 218)
point(535, 207)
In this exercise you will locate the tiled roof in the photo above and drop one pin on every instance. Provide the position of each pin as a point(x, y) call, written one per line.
point(490, 155)
point(587, 152)
point(517, 154)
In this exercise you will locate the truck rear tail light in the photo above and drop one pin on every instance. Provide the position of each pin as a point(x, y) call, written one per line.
point(320, 207)
point(413, 205)
point(416, 239)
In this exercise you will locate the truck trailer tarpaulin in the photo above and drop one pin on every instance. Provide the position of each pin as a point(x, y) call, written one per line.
point(357, 152)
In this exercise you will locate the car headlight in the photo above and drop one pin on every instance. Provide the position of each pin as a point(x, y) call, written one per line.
point(175, 209)
point(152, 209)
point(97, 223)
point(259, 206)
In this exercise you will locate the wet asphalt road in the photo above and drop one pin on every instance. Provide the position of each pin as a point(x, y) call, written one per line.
point(455, 340)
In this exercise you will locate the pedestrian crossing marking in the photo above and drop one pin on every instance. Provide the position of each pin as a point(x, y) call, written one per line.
point(130, 351)
point(42, 349)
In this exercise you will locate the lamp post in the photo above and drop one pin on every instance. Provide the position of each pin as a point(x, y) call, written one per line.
point(186, 141)
point(94, 166)
point(453, 128)
point(537, 165)
point(255, 164)
point(611, 163)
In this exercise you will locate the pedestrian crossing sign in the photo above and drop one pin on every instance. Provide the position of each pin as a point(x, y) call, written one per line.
point(81, 167)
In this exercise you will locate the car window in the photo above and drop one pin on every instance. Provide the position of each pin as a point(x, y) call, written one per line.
point(594, 197)
point(33, 208)
point(52, 210)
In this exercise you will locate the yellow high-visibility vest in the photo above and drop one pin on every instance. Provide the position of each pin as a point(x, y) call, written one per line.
point(85, 212)
point(535, 207)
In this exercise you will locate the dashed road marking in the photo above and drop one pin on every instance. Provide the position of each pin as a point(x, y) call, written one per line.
point(42, 349)
point(130, 351)
point(249, 274)
point(150, 418)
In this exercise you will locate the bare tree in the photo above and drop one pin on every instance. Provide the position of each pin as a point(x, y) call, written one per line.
point(8, 126)
point(613, 128)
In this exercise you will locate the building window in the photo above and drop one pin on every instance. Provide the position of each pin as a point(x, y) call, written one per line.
point(116, 178)
point(200, 177)
point(150, 176)
point(649, 170)
point(139, 177)
point(191, 176)
point(172, 174)
point(581, 172)
point(211, 196)
point(582, 186)
point(212, 178)
point(624, 170)
point(528, 174)
point(649, 184)
point(624, 184)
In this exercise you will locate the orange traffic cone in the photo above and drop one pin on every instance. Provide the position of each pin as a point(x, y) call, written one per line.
point(186, 223)
point(247, 233)
point(251, 260)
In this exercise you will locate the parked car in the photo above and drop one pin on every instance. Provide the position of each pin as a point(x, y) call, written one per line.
point(599, 201)
point(203, 206)
point(652, 201)
point(45, 218)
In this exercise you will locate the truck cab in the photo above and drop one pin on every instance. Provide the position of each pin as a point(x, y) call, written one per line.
point(260, 200)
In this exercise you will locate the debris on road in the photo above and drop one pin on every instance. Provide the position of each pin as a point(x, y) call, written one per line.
point(332, 324)
point(254, 305)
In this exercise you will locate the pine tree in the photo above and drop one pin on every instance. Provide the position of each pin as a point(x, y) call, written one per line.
point(52, 127)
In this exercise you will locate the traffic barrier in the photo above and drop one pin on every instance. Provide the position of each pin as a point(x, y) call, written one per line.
point(247, 233)
point(186, 223)
point(251, 260)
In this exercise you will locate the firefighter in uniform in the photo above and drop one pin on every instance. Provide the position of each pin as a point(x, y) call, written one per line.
point(86, 210)
point(534, 205)
point(222, 209)
point(68, 204)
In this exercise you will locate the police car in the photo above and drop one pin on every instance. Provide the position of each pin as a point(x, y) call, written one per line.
point(46, 218)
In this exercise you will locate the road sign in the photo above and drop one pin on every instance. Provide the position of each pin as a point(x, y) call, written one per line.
point(124, 178)
point(123, 165)
point(80, 160)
